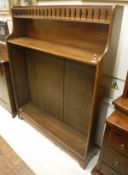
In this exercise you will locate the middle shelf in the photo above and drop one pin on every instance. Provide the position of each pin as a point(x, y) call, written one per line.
point(69, 52)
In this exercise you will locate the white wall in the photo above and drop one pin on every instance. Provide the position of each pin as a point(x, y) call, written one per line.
point(121, 66)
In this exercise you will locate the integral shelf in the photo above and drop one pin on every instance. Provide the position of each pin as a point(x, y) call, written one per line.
point(73, 53)
point(65, 134)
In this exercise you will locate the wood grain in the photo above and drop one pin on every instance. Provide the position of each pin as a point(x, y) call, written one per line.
point(76, 54)
point(67, 135)
point(45, 73)
point(78, 91)
point(121, 104)
point(119, 120)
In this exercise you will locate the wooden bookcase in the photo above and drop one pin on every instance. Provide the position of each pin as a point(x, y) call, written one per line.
point(60, 58)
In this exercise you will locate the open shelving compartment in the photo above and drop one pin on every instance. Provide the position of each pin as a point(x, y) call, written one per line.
point(57, 57)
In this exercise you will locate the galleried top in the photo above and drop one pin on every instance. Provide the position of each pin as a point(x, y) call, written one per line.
point(96, 14)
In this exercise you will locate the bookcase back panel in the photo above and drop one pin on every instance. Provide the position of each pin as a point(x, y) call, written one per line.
point(82, 35)
point(78, 91)
point(20, 28)
point(45, 74)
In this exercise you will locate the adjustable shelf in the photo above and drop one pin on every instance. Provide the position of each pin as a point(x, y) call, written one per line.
point(60, 57)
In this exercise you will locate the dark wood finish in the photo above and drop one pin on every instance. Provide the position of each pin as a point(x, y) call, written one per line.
point(10, 162)
point(79, 83)
point(6, 90)
point(121, 104)
point(46, 85)
point(107, 170)
point(60, 59)
point(118, 121)
point(68, 52)
point(57, 128)
point(117, 140)
point(114, 151)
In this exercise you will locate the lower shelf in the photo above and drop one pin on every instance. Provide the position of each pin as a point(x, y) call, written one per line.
point(67, 136)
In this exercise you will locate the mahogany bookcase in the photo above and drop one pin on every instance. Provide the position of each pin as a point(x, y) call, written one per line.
point(60, 60)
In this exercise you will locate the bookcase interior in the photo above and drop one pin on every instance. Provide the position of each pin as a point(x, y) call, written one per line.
point(56, 88)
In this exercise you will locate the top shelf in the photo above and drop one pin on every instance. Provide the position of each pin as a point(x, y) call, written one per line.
point(92, 14)
point(73, 53)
